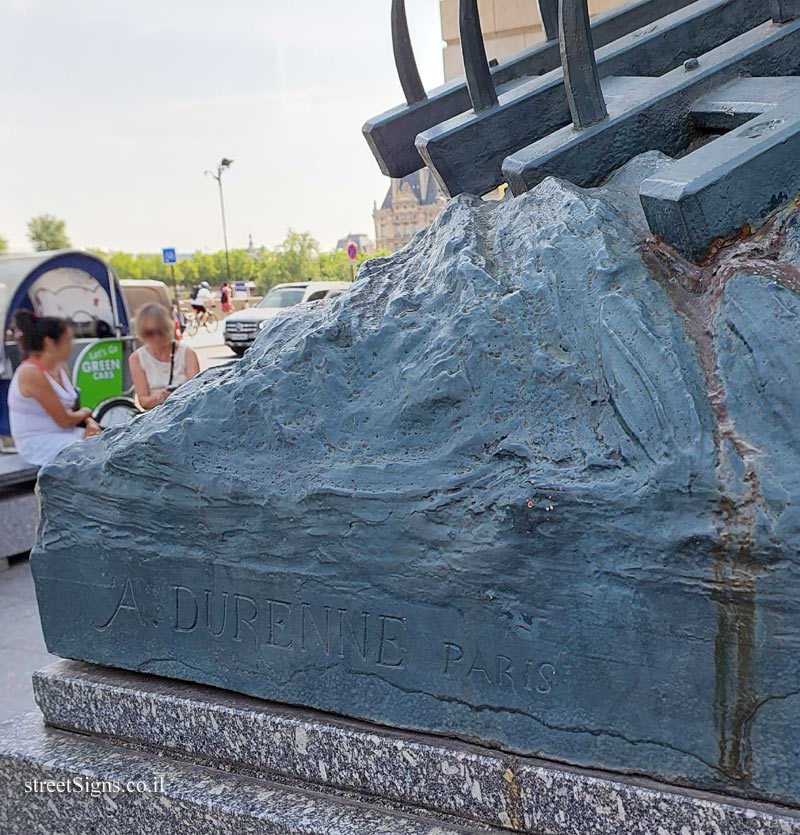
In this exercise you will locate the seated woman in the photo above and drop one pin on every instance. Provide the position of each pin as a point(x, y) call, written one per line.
point(41, 398)
point(161, 364)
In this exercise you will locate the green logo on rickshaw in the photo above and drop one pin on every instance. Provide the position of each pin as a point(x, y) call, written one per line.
point(99, 373)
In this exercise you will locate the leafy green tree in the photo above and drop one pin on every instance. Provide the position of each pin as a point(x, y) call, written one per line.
point(46, 232)
point(297, 259)
point(379, 253)
point(125, 265)
point(3, 245)
point(337, 266)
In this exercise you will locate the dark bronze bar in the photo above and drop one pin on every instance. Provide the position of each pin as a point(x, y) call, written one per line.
point(404, 55)
point(785, 11)
point(581, 78)
point(467, 152)
point(548, 11)
point(391, 135)
point(476, 68)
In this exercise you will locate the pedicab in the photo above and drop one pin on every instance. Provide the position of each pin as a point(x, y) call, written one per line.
point(81, 287)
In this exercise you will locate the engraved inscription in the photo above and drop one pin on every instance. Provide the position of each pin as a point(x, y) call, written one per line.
point(497, 670)
point(126, 603)
point(276, 627)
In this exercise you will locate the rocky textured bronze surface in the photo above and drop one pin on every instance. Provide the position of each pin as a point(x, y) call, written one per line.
point(532, 482)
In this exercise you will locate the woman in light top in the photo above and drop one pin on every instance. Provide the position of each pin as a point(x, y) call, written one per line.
point(162, 363)
point(41, 399)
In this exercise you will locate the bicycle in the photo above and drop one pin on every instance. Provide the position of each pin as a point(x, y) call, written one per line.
point(192, 325)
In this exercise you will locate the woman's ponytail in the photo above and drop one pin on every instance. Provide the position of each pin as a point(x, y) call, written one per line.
point(32, 330)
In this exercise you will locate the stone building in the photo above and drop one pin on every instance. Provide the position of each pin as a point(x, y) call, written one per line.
point(361, 240)
point(409, 206)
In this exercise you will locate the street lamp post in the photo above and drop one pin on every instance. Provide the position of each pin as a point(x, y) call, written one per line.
point(224, 165)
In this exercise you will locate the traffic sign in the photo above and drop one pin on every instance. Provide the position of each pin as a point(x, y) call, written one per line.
point(352, 251)
point(170, 256)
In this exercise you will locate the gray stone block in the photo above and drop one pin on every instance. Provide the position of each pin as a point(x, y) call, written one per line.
point(19, 513)
point(431, 775)
point(501, 491)
point(113, 790)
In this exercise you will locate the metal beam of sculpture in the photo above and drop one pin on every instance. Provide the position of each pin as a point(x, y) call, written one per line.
point(652, 113)
point(467, 152)
point(476, 66)
point(581, 77)
point(736, 180)
point(391, 135)
point(784, 11)
point(548, 11)
point(404, 58)
point(718, 112)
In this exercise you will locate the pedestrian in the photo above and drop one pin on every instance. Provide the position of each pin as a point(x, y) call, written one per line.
point(42, 402)
point(225, 299)
point(162, 363)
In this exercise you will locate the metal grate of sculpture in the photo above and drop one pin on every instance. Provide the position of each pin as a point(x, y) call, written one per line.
point(655, 75)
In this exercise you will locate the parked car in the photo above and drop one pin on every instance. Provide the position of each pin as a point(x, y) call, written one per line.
point(243, 327)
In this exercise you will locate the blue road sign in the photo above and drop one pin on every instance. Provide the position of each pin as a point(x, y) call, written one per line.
point(170, 256)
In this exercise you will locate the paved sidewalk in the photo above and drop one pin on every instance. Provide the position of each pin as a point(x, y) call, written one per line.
point(22, 647)
point(210, 347)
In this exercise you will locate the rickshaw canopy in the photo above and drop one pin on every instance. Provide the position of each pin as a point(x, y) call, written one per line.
point(68, 283)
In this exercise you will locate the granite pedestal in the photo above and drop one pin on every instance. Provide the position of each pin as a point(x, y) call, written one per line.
point(143, 754)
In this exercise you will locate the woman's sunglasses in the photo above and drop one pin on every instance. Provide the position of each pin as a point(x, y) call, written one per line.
point(149, 334)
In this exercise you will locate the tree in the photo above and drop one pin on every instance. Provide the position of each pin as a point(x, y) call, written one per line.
point(337, 266)
point(296, 259)
point(46, 232)
point(3, 245)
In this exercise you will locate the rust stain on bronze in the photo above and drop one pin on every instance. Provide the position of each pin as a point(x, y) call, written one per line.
point(696, 292)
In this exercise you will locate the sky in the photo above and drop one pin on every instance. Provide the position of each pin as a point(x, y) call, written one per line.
point(110, 112)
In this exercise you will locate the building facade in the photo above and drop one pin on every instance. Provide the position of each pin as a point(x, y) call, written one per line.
point(361, 240)
point(509, 26)
point(409, 206)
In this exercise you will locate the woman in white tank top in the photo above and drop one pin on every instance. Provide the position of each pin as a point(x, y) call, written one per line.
point(41, 397)
point(162, 363)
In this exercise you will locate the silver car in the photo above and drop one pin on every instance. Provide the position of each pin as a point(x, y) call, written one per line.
point(243, 327)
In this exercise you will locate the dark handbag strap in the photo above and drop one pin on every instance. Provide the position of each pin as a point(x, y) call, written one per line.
point(171, 364)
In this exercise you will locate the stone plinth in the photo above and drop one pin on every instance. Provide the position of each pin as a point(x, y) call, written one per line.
point(213, 761)
point(179, 797)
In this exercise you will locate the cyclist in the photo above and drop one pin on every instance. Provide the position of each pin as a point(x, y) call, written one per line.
point(201, 302)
